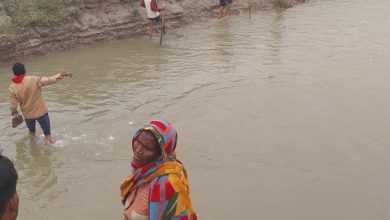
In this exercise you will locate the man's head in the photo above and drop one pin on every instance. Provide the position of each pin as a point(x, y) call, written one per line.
point(18, 69)
point(9, 200)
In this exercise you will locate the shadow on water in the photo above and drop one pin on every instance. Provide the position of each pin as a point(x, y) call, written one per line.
point(276, 38)
point(223, 42)
point(33, 162)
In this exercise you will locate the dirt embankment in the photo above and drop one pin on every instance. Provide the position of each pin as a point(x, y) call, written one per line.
point(89, 21)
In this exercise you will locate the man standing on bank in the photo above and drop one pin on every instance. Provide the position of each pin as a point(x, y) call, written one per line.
point(26, 91)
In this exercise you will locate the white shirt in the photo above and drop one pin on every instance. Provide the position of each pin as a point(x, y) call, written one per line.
point(149, 12)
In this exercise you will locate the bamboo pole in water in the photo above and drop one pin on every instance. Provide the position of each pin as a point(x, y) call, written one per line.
point(249, 9)
point(162, 31)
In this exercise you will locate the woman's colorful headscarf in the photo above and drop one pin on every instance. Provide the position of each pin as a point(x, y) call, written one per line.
point(169, 196)
point(165, 134)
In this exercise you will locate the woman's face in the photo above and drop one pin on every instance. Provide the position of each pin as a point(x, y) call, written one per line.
point(145, 149)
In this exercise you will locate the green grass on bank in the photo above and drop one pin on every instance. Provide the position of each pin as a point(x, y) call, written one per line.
point(39, 12)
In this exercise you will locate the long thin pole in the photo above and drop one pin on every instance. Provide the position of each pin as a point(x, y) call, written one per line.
point(162, 31)
point(249, 9)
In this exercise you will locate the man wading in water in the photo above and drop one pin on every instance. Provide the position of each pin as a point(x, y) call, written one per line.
point(224, 7)
point(26, 91)
point(153, 13)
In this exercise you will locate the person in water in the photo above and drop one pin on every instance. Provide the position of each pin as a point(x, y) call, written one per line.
point(157, 187)
point(153, 13)
point(224, 6)
point(9, 199)
point(26, 92)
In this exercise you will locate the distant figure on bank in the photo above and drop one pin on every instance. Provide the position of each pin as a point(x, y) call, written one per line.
point(9, 200)
point(157, 187)
point(25, 91)
point(224, 6)
point(153, 13)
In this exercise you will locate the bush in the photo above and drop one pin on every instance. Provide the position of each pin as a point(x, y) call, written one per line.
point(40, 12)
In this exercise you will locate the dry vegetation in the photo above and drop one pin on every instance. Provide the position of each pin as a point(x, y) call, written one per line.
point(39, 12)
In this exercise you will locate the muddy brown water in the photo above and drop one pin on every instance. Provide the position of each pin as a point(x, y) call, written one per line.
point(284, 116)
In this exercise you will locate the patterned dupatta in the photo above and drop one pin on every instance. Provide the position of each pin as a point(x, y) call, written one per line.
point(169, 195)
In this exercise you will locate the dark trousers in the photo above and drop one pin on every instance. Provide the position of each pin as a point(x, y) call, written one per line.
point(44, 122)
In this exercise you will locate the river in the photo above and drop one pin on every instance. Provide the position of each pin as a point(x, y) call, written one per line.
point(281, 116)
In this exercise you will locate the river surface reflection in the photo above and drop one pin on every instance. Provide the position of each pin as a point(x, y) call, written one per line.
point(284, 116)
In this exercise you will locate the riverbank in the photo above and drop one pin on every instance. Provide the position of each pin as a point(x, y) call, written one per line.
point(38, 27)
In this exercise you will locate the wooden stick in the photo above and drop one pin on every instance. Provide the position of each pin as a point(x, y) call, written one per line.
point(162, 31)
point(249, 9)
point(162, 28)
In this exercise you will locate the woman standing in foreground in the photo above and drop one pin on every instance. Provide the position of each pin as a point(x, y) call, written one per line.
point(157, 188)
